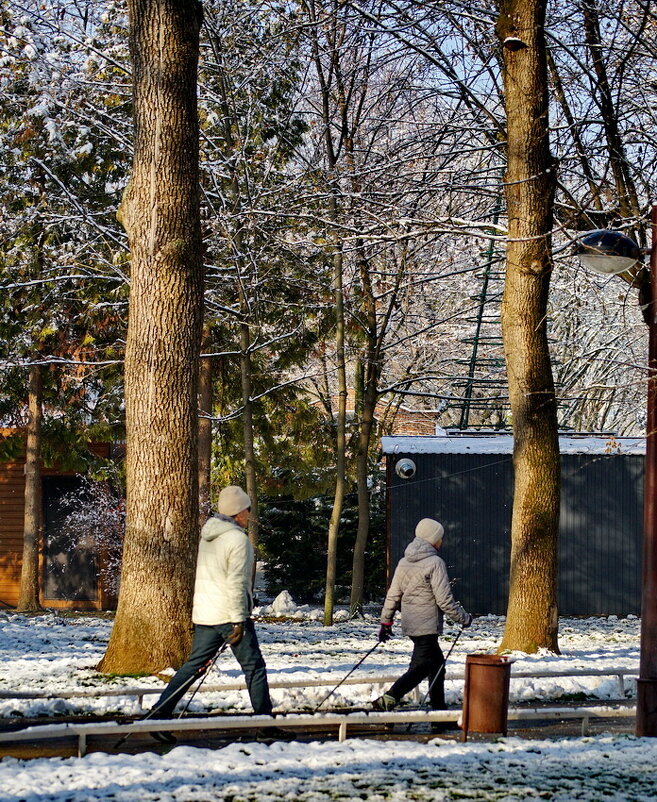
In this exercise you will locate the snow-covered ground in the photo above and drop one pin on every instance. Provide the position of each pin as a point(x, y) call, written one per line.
point(57, 653)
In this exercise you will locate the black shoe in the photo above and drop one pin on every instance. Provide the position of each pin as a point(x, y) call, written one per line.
point(164, 737)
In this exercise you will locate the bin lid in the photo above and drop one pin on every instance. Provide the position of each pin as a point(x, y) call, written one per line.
point(490, 659)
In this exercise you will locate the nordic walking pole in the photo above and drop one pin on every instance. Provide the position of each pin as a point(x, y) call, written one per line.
point(442, 667)
point(224, 646)
point(362, 660)
point(205, 669)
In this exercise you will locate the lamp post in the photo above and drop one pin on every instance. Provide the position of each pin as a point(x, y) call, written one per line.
point(611, 252)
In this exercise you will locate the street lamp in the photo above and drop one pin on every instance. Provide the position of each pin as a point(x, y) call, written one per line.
point(608, 252)
point(611, 252)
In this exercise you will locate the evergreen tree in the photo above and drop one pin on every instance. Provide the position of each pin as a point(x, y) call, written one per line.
point(263, 313)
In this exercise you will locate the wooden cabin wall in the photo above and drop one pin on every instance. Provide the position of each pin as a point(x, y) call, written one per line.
point(12, 508)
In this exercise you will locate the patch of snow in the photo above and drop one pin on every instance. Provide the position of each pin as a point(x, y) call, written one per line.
point(55, 653)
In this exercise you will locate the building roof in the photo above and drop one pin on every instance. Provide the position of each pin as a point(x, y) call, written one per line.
point(494, 443)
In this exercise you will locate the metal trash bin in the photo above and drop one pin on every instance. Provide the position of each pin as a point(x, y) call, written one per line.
point(486, 693)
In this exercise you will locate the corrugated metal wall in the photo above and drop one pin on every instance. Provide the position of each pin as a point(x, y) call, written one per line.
point(472, 495)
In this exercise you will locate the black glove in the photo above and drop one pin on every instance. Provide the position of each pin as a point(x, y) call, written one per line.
point(469, 621)
point(236, 635)
point(385, 633)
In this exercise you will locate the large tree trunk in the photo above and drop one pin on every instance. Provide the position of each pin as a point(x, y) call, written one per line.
point(28, 598)
point(160, 212)
point(532, 616)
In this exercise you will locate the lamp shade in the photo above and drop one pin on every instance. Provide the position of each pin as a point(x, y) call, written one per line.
point(608, 252)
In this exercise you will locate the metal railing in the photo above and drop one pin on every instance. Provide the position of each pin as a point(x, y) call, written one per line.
point(342, 722)
point(239, 685)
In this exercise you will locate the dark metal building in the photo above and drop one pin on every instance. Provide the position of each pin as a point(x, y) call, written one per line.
point(466, 482)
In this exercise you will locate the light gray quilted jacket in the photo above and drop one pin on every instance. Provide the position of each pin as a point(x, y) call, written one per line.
point(420, 588)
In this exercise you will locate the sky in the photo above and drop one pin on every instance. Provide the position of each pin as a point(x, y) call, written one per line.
point(57, 653)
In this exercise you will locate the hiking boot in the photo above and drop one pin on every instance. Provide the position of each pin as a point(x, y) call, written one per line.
point(164, 737)
point(384, 703)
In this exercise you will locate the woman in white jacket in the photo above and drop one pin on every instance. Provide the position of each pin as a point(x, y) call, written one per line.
point(421, 589)
point(222, 607)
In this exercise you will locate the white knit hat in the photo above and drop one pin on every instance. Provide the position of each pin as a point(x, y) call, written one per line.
point(232, 500)
point(430, 530)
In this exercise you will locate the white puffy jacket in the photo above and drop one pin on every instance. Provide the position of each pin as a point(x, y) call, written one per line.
point(420, 587)
point(222, 592)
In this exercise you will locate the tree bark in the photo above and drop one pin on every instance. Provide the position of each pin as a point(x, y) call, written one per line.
point(160, 212)
point(28, 598)
point(532, 616)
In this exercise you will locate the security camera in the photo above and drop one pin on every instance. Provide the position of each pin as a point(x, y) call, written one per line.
point(405, 469)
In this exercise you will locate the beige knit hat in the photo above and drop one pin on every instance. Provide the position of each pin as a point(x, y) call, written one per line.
point(232, 500)
point(430, 530)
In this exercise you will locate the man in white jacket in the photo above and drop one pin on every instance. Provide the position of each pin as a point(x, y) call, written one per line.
point(222, 607)
point(421, 589)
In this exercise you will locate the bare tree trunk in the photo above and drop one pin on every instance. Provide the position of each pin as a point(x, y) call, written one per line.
point(250, 470)
point(370, 382)
point(340, 441)
point(160, 212)
point(362, 484)
point(205, 399)
point(28, 598)
point(234, 192)
point(326, 22)
point(628, 202)
point(532, 616)
point(593, 185)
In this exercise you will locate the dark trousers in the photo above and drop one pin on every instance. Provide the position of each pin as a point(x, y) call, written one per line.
point(207, 642)
point(427, 661)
